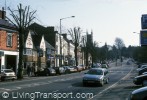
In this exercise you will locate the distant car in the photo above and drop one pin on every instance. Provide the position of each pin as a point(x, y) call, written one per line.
point(8, 74)
point(139, 94)
point(97, 76)
point(96, 65)
point(140, 80)
point(142, 71)
point(46, 72)
point(104, 66)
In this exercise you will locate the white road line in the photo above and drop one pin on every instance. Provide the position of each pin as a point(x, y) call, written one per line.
point(55, 91)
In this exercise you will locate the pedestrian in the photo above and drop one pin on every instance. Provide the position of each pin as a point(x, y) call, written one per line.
point(28, 70)
point(35, 70)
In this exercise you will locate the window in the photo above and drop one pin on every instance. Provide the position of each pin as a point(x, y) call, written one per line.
point(9, 39)
point(28, 52)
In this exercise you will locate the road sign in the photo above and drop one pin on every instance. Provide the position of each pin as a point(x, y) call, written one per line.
point(143, 37)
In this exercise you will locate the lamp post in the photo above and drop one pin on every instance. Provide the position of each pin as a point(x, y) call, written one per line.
point(60, 60)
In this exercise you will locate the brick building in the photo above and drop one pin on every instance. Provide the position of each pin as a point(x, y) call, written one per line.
point(8, 44)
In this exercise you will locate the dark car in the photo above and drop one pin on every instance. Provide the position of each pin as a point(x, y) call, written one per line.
point(139, 94)
point(140, 80)
point(46, 72)
point(59, 70)
point(96, 65)
point(140, 64)
point(142, 71)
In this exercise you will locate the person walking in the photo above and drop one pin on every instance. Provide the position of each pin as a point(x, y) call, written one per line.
point(28, 70)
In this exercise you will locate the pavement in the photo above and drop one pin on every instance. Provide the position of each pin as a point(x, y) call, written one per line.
point(122, 89)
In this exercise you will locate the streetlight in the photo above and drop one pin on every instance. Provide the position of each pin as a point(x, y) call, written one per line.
point(60, 60)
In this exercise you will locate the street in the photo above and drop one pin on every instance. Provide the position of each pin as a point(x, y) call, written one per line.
point(68, 86)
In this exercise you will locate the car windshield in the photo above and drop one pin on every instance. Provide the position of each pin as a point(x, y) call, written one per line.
point(95, 72)
point(7, 71)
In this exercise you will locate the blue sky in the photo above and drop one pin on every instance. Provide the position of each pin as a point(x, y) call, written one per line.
point(107, 19)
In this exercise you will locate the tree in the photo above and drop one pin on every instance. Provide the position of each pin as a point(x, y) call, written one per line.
point(21, 19)
point(119, 45)
point(75, 34)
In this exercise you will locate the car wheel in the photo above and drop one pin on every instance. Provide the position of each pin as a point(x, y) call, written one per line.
point(144, 83)
point(107, 81)
point(102, 83)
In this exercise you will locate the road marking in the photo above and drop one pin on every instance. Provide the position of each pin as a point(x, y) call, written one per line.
point(113, 85)
point(55, 91)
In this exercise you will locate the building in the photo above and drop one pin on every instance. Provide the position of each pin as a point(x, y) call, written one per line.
point(38, 53)
point(8, 44)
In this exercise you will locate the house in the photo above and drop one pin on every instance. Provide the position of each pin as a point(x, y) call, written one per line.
point(37, 52)
point(30, 56)
point(51, 37)
point(8, 44)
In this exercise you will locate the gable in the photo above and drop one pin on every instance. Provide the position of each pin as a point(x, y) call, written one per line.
point(29, 42)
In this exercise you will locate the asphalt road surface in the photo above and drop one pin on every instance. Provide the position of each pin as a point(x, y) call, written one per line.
point(66, 87)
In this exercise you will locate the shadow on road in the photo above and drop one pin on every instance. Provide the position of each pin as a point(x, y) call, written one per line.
point(80, 84)
point(133, 87)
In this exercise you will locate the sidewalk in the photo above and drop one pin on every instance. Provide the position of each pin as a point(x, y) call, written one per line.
point(121, 90)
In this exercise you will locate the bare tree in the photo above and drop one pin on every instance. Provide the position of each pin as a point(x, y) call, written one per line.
point(119, 45)
point(75, 34)
point(21, 19)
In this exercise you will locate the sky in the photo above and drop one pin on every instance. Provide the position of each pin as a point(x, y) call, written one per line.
point(107, 19)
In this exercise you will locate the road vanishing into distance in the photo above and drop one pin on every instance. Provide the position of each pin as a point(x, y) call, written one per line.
point(61, 87)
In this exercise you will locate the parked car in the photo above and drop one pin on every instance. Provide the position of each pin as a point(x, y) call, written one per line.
point(45, 72)
point(139, 94)
point(80, 68)
point(70, 69)
point(97, 76)
point(140, 80)
point(8, 74)
point(59, 70)
point(142, 66)
point(142, 71)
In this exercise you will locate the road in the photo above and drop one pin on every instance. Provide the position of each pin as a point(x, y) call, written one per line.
point(63, 87)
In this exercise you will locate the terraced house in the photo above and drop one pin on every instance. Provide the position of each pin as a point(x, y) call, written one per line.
point(8, 44)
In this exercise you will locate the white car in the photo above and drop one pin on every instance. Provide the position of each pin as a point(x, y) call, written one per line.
point(7, 74)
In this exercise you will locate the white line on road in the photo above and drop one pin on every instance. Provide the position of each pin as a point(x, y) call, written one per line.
point(55, 91)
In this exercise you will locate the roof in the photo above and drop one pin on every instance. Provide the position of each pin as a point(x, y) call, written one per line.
point(49, 46)
point(6, 24)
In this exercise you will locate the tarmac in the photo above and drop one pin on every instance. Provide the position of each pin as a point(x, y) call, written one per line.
point(122, 89)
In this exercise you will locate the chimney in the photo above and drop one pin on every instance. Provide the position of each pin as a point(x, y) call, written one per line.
point(2, 13)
